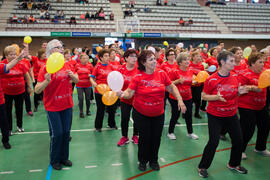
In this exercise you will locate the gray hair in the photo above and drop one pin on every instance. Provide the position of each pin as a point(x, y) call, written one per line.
point(51, 46)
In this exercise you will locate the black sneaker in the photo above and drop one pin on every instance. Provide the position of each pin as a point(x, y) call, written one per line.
point(154, 166)
point(223, 137)
point(239, 169)
point(57, 166)
point(7, 145)
point(203, 173)
point(70, 138)
point(81, 115)
point(198, 116)
point(113, 127)
point(142, 166)
point(67, 163)
point(88, 113)
point(98, 130)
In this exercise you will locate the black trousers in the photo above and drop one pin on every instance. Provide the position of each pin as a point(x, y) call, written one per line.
point(18, 109)
point(249, 119)
point(27, 99)
point(150, 131)
point(176, 115)
point(4, 123)
point(87, 92)
point(37, 97)
point(197, 97)
point(215, 125)
point(101, 110)
point(125, 116)
point(165, 99)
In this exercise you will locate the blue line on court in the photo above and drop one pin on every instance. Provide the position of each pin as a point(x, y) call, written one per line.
point(49, 172)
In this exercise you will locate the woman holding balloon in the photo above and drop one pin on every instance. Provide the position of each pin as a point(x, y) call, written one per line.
point(212, 60)
point(55, 80)
point(14, 87)
point(99, 77)
point(128, 70)
point(148, 88)
point(84, 70)
point(252, 106)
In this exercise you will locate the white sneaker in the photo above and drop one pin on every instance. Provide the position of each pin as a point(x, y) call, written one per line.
point(264, 153)
point(192, 136)
point(20, 129)
point(171, 136)
point(244, 156)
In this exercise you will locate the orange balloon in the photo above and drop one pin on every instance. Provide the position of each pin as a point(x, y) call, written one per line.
point(109, 98)
point(98, 48)
point(102, 88)
point(17, 49)
point(264, 79)
point(201, 76)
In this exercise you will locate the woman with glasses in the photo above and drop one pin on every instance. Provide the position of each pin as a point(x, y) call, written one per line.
point(128, 70)
point(148, 88)
point(58, 104)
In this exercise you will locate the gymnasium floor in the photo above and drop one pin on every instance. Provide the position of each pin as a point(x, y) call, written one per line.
point(96, 156)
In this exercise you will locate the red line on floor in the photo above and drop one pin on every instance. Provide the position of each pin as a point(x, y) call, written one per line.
point(176, 162)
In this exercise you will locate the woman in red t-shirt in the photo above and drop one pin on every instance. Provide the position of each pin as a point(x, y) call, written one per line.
point(113, 62)
point(128, 70)
point(182, 78)
point(37, 62)
point(252, 106)
point(99, 76)
point(196, 89)
point(71, 62)
point(4, 69)
point(14, 87)
point(58, 104)
point(212, 60)
point(221, 91)
point(84, 86)
point(148, 88)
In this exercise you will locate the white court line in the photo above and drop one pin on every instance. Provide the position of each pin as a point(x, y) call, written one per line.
point(66, 168)
point(117, 164)
point(162, 160)
point(90, 166)
point(103, 129)
point(7, 172)
point(35, 170)
point(131, 120)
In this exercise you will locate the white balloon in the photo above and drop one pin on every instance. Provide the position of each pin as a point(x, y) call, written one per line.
point(212, 68)
point(115, 81)
point(181, 45)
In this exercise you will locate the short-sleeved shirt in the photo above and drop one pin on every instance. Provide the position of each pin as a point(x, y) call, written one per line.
point(37, 64)
point(149, 92)
point(84, 72)
point(228, 87)
point(2, 71)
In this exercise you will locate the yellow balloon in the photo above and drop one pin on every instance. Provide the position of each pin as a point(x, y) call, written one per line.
point(17, 49)
point(98, 48)
point(201, 76)
point(264, 79)
point(55, 62)
point(102, 88)
point(27, 39)
point(109, 98)
point(247, 51)
point(165, 43)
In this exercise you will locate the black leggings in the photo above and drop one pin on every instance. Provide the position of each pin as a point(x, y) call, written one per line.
point(248, 120)
point(18, 109)
point(215, 125)
point(101, 110)
point(125, 116)
point(196, 97)
point(37, 97)
point(4, 123)
point(87, 92)
point(176, 115)
point(27, 99)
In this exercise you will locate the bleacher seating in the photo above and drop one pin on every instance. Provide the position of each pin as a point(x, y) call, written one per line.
point(70, 8)
point(165, 18)
point(244, 17)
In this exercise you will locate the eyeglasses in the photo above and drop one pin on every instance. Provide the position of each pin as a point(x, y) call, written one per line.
point(132, 56)
point(59, 47)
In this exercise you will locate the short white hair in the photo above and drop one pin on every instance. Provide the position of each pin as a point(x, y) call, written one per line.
point(51, 46)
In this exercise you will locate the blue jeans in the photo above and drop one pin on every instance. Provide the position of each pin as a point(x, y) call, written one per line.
point(59, 126)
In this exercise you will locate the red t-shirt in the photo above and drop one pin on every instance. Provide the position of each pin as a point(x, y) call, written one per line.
point(72, 64)
point(149, 92)
point(185, 88)
point(127, 75)
point(204, 55)
point(13, 82)
point(239, 69)
point(75, 58)
point(212, 61)
point(2, 71)
point(165, 66)
point(115, 65)
point(57, 96)
point(160, 60)
point(196, 68)
point(267, 63)
point(84, 72)
point(228, 87)
point(37, 64)
point(251, 100)
point(26, 63)
point(100, 73)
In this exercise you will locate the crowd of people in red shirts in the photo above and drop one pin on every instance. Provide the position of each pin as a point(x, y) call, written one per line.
point(151, 77)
